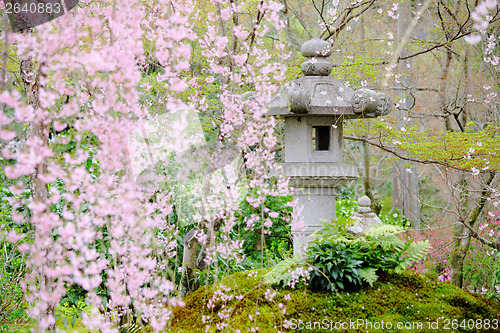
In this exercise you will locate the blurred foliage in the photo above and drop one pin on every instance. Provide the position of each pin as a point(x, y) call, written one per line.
point(12, 262)
point(455, 150)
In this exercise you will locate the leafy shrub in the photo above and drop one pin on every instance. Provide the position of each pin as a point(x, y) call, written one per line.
point(353, 273)
point(343, 262)
point(68, 313)
point(277, 238)
point(12, 262)
point(344, 208)
point(12, 306)
point(482, 271)
point(336, 266)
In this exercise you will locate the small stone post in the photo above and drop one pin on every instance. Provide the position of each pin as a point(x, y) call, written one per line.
point(364, 219)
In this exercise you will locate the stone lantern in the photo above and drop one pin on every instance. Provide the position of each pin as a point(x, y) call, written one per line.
point(314, 108)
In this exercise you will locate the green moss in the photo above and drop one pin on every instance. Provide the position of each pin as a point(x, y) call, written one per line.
point(403, 298)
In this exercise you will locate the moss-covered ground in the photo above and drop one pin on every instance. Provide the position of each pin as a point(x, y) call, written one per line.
point(408, 300)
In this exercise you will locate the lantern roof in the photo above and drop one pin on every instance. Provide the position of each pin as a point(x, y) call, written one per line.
point(319, 94)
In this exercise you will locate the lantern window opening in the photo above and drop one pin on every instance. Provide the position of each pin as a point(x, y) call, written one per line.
point(321, 138)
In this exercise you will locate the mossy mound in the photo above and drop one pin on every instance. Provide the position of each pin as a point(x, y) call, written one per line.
point(404, 302)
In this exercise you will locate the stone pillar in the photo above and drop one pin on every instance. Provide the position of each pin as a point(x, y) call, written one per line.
point(318, 205)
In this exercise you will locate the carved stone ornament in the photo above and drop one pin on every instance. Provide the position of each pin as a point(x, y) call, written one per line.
point(370, 104)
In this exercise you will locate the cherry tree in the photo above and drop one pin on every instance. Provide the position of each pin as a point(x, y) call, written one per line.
point(88, 80)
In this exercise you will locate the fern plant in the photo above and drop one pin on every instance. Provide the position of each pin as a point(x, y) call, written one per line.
point(340, 261)
point(281, 273)
point(344, 262)
point(385, 240)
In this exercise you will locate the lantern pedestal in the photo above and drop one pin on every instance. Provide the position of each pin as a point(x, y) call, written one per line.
point(315, 190)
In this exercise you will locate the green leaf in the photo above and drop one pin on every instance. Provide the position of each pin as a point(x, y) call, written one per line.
point(281, 272)
point(368, 274)
point(414, 251)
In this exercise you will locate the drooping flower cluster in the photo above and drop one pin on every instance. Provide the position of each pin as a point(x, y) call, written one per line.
point(90, 85)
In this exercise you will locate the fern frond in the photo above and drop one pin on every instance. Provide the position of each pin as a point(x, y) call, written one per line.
point(281, 272)
point(381, 230)
point(389, 242)
point(417, 250)
point(414, 251)
point(368, 274)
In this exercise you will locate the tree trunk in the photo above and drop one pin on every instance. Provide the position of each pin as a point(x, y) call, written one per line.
point(369, 191)
point(189, 256)
point(38, 129)
point(461, 235)
point(405, 179)
point(457, 265)
point(460, 245)
point(366, 180)
point(461, 239)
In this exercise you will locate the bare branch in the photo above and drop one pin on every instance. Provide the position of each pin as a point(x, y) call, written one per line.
point(346, 17)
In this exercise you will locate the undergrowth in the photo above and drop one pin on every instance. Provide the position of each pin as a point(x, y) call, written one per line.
point(242, 302)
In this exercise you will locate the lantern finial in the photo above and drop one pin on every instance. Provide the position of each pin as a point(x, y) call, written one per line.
point(316, 52)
